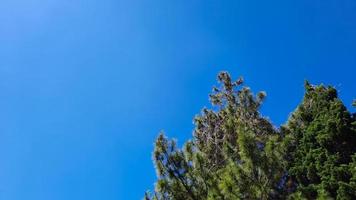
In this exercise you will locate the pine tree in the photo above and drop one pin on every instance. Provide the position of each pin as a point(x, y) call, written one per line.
point(235, 153)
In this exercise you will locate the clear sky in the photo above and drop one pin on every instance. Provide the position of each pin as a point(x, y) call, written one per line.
point(86, 85)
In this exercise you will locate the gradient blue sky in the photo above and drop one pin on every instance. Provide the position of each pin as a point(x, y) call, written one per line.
point(87, 85)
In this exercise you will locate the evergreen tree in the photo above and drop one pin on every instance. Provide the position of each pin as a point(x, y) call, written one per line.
point(322, 135)
point(235, 152)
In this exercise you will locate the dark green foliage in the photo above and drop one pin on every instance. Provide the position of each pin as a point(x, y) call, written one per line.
point(237, 154)
point(323, 144)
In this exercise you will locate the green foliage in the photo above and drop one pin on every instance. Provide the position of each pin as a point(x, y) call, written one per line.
point(323, 144)
point(238, 154)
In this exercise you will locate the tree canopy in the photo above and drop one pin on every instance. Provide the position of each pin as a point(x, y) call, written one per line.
point(236, 153)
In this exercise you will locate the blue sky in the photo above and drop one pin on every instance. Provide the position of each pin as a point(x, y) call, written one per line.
point(87, 85)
